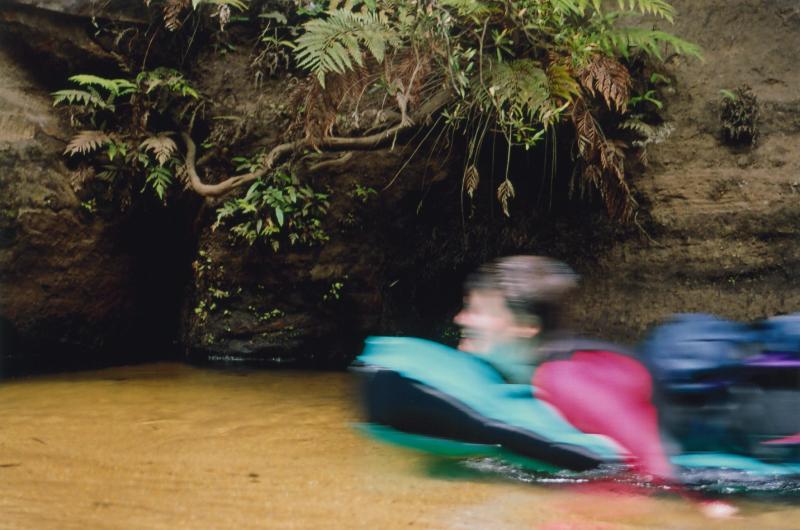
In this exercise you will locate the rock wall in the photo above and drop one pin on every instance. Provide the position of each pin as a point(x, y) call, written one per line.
point(70, 278)
point(721, 223)
point(64, 280)
point(727, 220)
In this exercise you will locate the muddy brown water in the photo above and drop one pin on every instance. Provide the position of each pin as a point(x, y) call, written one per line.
point(172, 446)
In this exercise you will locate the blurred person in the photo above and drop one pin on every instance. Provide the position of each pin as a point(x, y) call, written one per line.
point(512, 318)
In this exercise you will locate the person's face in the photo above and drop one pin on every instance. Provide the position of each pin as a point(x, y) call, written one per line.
point(488, 324)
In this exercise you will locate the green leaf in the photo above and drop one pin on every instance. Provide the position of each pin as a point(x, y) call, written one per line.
point(238, 4)
point(277, 16)
point(279, 216)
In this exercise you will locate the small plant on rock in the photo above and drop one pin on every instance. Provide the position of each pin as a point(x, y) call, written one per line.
point(739, 116)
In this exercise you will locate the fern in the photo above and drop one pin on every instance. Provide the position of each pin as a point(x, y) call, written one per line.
point(80, 97)
point(162, 146)
point(172, 12)
point(471, 179)
point(505, 192)
point(334, 44)
point(608, 77)
point(560, 82)
point(636, 125)
point(521, 85)
point(116, 87)
point(589, 134)
point(468, 8)
point(659, 8)
point(623, 40)
point(85, 142)
point(573, 7)
point(159, 178)
point(241, 5)
point(168, 78)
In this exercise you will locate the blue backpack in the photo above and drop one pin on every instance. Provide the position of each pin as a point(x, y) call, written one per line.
point(723, 385)
point(704, 354)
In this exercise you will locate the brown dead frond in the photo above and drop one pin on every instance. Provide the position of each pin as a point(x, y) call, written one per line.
point(588, 132)
point(602, 164)
point(609, 178)
point(471, 179)
point(172, 13)
point(609, 78)
point(505, 192)
point(85, 142)
point(161, 145)
point(81, 176)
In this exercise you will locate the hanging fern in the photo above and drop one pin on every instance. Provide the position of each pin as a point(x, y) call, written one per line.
point(334, 44)
point(172, 13)
point(561, 83)
point(520, 87)
point(241, 5)
point(116, 87)
point(610, 79)
point(622, 41)
point(471, 179)
point(85, 142)
point(468, 8)
point(587, 130)
point(659, 8)
point(505, 192)
point(159, 178)
point(162, 147)
point(574, 7)
point(80, 97)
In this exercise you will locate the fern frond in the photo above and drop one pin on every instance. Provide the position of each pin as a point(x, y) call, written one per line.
point(161, 145)
point(334, 44)
point(608, 77)
point(471, 179)
point(560, 82)
point(520, 84)
point(659, 8)
point(241, 5)
point(85, 142)
point(612, 157)
point(635, 124)
point(172, 13)
point(570, 7)
point(79, 97)
point(623, 40)
point(117, 87)
point(505, 192)
point(159, 178)
point(467, 8)
point(650, 134)
point(614, 188)
point(589, 134)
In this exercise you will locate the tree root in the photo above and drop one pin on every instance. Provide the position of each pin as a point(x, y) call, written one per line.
point(329, 143)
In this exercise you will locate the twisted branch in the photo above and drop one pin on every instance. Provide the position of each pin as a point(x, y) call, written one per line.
point(332, 143)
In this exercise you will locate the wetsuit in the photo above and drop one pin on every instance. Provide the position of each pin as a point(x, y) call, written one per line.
point(601, 390)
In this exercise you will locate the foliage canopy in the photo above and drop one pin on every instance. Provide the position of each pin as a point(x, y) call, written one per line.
point(516, 68)
point(521, 71)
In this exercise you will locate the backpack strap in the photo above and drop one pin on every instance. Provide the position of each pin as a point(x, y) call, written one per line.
point(564, 348)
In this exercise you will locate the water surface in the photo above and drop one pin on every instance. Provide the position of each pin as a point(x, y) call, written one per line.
point(167, 446)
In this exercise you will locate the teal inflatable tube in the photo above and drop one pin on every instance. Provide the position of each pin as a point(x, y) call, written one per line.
point(430, 397)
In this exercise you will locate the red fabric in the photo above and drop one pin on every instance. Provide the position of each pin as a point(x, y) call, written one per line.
point(602, 392)
point(789, 440)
